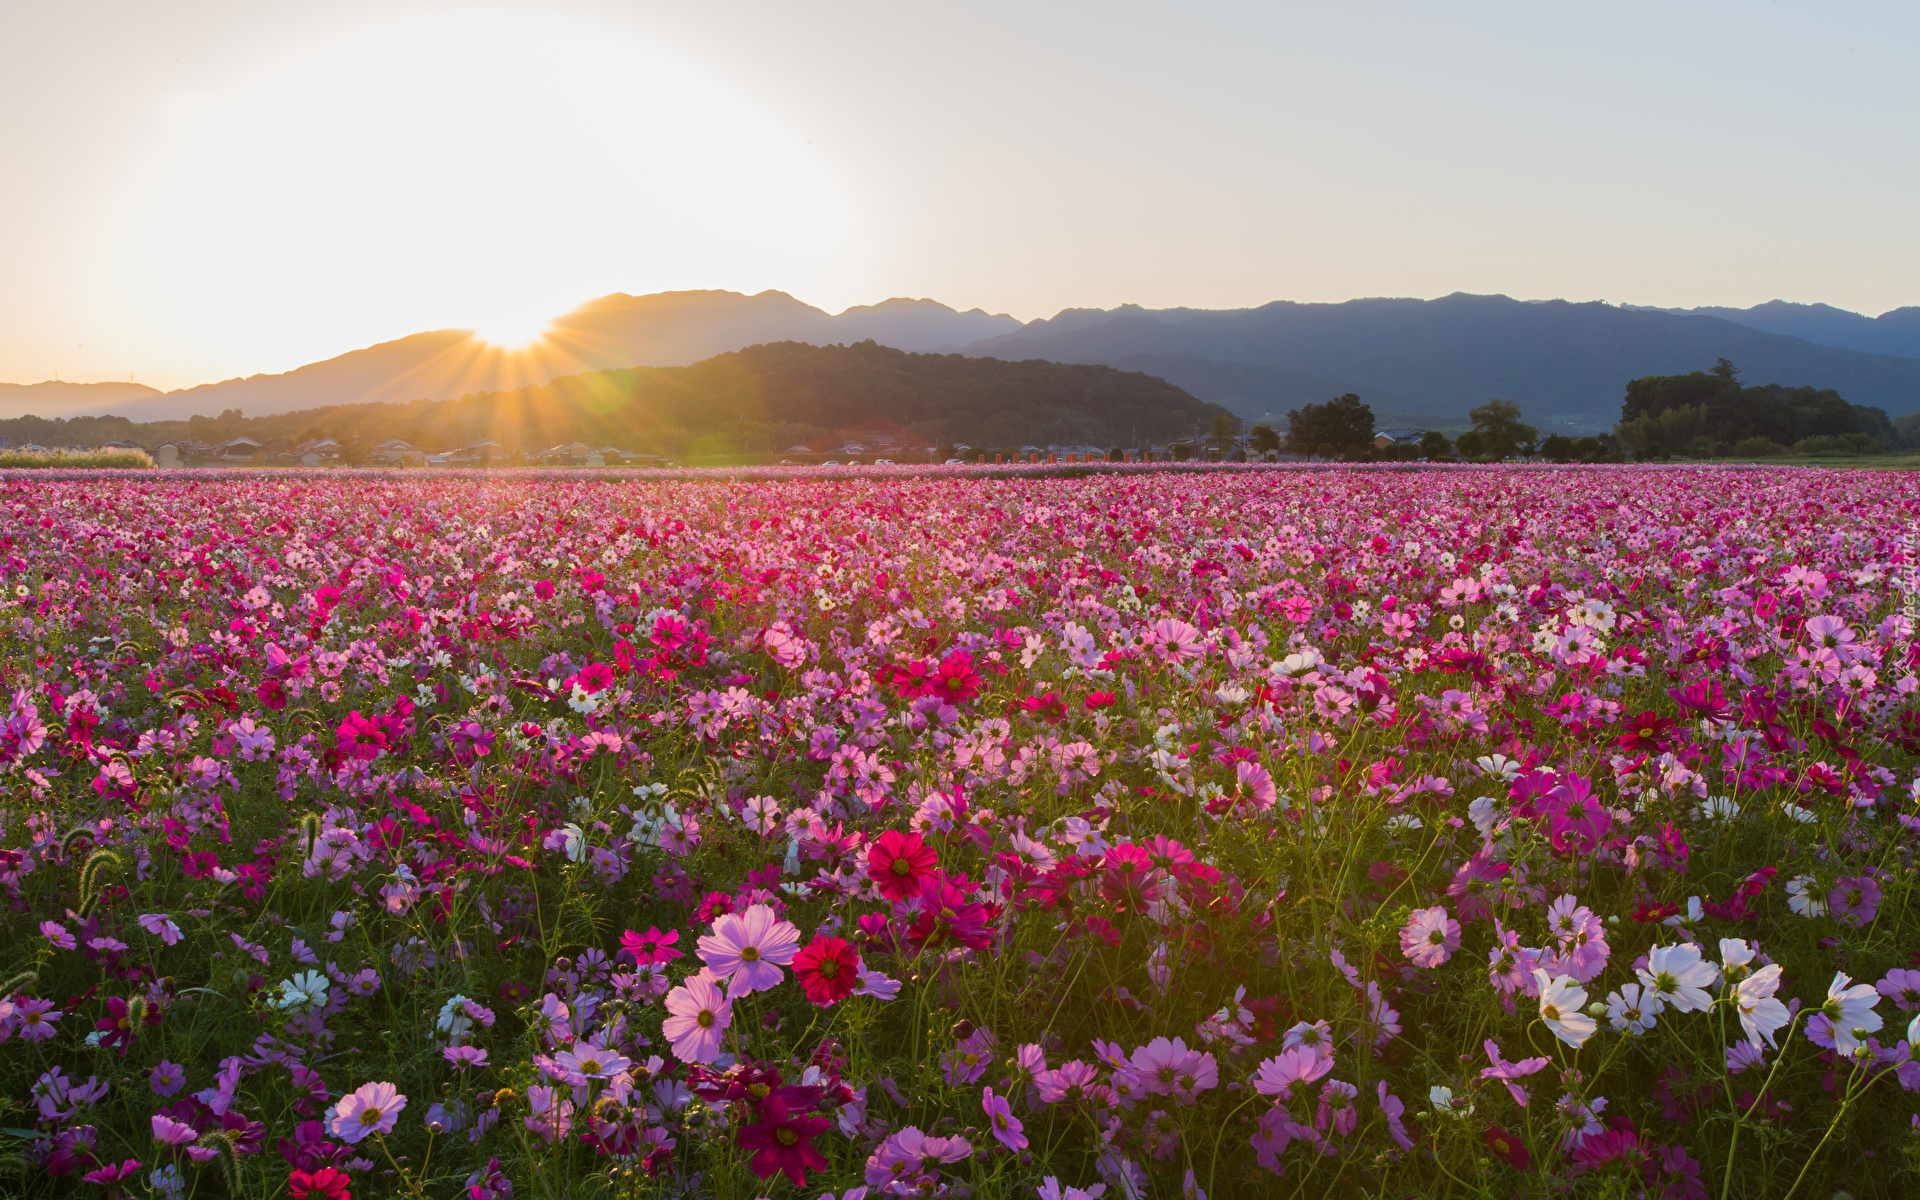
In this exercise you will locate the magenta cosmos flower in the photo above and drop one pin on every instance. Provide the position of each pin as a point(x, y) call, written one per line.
point(370, 1108)
point(748, 949)
point(700, 1016)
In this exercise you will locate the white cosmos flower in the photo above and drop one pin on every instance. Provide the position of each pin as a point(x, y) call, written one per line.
point(1632, 1008)
point(1851, 1011)
point(1795, 812)
point(1721, 807)
point(1561, 1002)
point(1680, 977)
point(1693, 914)
point(1735, 954)
point(1485, 815)
point(1803, 898)
point(1499, 766)
point(1444, 1103)
point(1761, 1014)
point(453, 1020)
point(306, 990)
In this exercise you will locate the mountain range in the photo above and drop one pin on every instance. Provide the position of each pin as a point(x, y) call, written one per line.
point(1895, 332)
point(1566, 364)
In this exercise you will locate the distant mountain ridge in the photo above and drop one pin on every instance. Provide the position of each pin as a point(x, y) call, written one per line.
point(1565, 363)
point(665, 329)
point(59, 398)
point(1895, 332)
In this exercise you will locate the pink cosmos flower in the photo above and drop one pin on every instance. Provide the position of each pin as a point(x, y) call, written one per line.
point(700, 1014)
point(161, 926)
point(1854, 900)
point(167, 1078)
point(1430, 937)
point(1507, 1072)
point(1005, 1126)
point(1901, 986)
point(1277, 1075)
point(588, 1061)
point(36, 1018)
point(748, 949)
point(1393, 1109)
point(372, 1108)
point(1071, 1081)
point(169, 1132)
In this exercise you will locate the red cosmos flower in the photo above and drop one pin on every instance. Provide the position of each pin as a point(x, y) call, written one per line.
point(328, 1183)
point(1130, 876)
point(912, 681)
point(110, 1175)
point(897, 862)
point(650, 947)
point(361, 738)
point(828, 969)
point(1644, 733)
point(782, 1142)
point(1099, 700)
point(1702, 697)
point(593, 678)
point(1047, 707)
point(121, 1025)
point(957, 682)
point(1507, 1146)
point(947, 915)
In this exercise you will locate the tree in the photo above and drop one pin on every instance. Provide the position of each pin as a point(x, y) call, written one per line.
point(1471, 444)
point(1502, 433)
point(1435, 446)
point(1558, 447)
point(1343, 423)
point(1225, 425)
point(1263, 439)
point(1727, 371)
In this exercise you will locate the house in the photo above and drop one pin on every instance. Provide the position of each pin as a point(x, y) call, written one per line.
point(240, 449)
point(166, 455)
point(484, 452)
point(120, 445)
point(870, 437)
point(394, 452)
point(1398, 437)
point(567, 454)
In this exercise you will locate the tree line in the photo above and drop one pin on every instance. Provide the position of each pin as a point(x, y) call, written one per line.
point(763, 398)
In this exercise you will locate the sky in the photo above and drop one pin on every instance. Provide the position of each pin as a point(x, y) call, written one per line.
point(203, 189)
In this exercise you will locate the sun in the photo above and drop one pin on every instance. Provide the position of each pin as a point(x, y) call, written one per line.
point(485, 169)
point(508, 330)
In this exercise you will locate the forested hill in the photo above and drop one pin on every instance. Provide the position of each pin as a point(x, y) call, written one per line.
point(763, 397)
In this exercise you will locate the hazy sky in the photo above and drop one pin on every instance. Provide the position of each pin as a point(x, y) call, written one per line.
point(198, 189)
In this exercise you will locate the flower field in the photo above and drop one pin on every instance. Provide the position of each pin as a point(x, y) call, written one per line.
point(1474, 832)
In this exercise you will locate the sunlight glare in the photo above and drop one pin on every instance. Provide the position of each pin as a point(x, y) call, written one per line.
point(509, 330)
point(488, 170)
